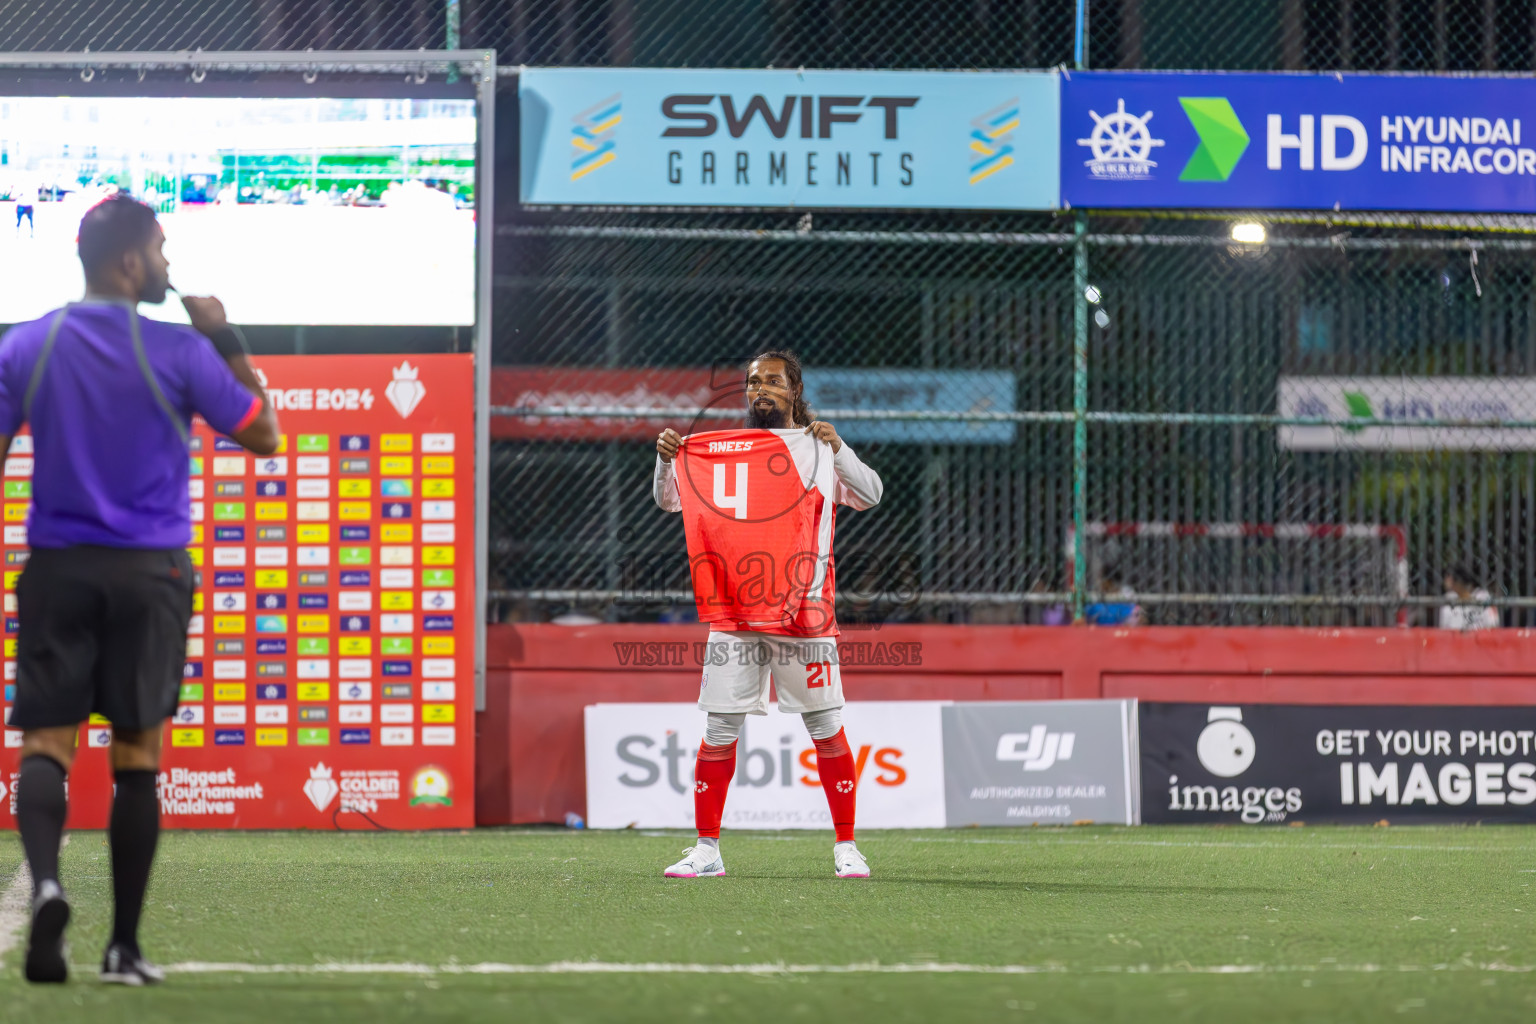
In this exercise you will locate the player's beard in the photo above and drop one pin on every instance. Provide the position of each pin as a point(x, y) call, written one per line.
point(154, 288)
point(761, 418)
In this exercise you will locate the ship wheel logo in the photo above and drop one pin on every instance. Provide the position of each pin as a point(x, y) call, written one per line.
point(1121, 144)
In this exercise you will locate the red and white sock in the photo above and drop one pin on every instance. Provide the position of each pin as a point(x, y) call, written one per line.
point(839, 780)
point(712, 774)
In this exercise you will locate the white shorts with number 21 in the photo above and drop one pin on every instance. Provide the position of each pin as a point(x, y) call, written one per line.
point(738, 666)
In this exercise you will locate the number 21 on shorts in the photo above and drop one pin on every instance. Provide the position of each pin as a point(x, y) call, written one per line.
point(817, 673)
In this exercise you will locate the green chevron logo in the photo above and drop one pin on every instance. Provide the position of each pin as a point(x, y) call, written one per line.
point(1359, 406)
point(1222, 138)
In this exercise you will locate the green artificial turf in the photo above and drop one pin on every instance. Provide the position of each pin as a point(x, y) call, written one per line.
point(1141, 925)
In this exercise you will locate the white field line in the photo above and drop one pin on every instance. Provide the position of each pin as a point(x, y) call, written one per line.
point(601, 967)
point(1046, 840)
point(16, 907)
point(1294, 847)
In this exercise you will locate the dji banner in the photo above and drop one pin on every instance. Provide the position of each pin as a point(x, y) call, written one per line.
point(1045, 762)
point(1278, 763)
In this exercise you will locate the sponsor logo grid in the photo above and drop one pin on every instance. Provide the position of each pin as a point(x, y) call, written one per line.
point(289, 638)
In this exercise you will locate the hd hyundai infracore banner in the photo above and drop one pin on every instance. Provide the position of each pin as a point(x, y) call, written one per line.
point(1317, 142)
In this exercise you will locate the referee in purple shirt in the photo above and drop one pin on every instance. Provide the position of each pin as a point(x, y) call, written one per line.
point(106, 595)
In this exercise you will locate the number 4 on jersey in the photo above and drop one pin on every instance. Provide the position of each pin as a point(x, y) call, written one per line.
point(737, 502)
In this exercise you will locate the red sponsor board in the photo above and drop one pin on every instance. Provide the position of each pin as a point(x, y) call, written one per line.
point(537, 387)
point(330, 660)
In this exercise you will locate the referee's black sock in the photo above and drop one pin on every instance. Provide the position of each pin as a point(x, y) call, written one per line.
point(40, 808)
point(134, 832)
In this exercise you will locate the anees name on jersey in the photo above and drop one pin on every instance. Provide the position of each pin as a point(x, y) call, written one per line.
point(730, 446)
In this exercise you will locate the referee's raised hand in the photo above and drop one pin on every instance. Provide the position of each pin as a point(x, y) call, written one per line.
point(206, 312)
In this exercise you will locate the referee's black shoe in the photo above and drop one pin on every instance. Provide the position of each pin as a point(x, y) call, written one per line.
point(124, 965)
point(45, 947)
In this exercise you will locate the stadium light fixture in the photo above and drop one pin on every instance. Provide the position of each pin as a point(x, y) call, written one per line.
point(1092, 294)
point(1249, 232)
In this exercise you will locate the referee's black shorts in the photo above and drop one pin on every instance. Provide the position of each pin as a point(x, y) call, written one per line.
point(103, 631)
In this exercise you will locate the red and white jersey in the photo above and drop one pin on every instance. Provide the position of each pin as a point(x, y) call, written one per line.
point(758, 509)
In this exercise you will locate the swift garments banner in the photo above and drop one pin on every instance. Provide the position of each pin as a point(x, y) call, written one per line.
point(710, 137)
point(329, 680)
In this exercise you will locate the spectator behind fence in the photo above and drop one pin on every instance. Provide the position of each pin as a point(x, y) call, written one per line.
point(579, 614)
point(1461, 583)
point(1117, 604)
point(1057, 614)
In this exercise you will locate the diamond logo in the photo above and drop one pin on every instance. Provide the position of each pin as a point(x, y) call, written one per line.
point(405, 392)
point(321, 787)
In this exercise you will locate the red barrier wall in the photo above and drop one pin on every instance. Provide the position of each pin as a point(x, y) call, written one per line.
point(539, 677)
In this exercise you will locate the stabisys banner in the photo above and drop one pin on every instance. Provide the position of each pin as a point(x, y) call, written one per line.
point(640, 761)
point(329, 680)
point(1258, 763)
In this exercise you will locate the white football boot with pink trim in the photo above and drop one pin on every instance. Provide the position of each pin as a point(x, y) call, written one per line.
point(849, 861)
point(702, 861)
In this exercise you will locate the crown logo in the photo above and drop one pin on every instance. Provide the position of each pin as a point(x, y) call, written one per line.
point(405, 391)
point(321, 787)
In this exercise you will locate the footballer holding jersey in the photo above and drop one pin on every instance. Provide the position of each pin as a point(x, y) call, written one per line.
point(758, 506)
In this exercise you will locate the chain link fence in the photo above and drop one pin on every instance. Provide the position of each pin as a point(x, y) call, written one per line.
point(1199, 499)
point(1202, 493)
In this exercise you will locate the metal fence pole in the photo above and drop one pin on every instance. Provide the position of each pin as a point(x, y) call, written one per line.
point(1079, 412)
point(1080, 361)
point(1080, 36)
